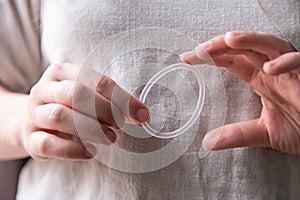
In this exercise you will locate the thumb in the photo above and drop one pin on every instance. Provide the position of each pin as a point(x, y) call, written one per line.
point(241, 134)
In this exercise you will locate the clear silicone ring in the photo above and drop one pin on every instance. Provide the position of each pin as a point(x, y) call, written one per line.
point(199, 104)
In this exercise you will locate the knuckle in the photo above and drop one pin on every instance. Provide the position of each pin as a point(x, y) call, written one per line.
point(55, 67)
point(104, 83)
point(68, 91)
point(244, 37)
point(235, 41)
point(57, 115)
point(294, 57)
point(35, 89)
point(35, 95)
point(216, 40)
point(79, 91)
point(251, 34)
point(43, 145)
point(81, 95)
point(67, 151)
point(34, 114)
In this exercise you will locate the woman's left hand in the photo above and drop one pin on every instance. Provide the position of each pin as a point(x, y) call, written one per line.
point(271, 66)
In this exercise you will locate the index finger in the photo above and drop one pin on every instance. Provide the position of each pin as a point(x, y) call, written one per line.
point(130, 106)
point(260, 42)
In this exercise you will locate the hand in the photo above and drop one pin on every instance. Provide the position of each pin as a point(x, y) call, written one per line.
point(271, 66)
point(51, 131)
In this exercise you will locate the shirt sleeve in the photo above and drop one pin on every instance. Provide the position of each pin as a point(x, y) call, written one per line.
point(20, 56)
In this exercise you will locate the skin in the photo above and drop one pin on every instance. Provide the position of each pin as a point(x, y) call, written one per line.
point(271, 66)
point(42, 123)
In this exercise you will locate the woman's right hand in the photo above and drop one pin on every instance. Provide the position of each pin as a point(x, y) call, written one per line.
point(50, 128)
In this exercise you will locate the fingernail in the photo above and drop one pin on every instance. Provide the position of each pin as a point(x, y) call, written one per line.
point(202, 53)
point(142, 114)
point(266, 68)
point(187, 54)
point(233, 33)
point(211, 139)
point(188, 57)
point(271, 63)
point(204, 45)
point(90, 150)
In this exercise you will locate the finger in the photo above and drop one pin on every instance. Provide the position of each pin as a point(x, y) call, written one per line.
point(217, 47)
point(45, 145)
point(105, 86)
point(80, 98)
point(250, 133)
point(239, 65)
point(60, 71)
point(131, 107)
point(61, 118)
point(203, 52)
point(264, 43)
point(191, 58)
point(243, 64)
point(255, 58)
point(289, 62)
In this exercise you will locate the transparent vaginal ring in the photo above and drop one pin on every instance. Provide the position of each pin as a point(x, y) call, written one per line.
point(198, 108)
point(214, 109)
